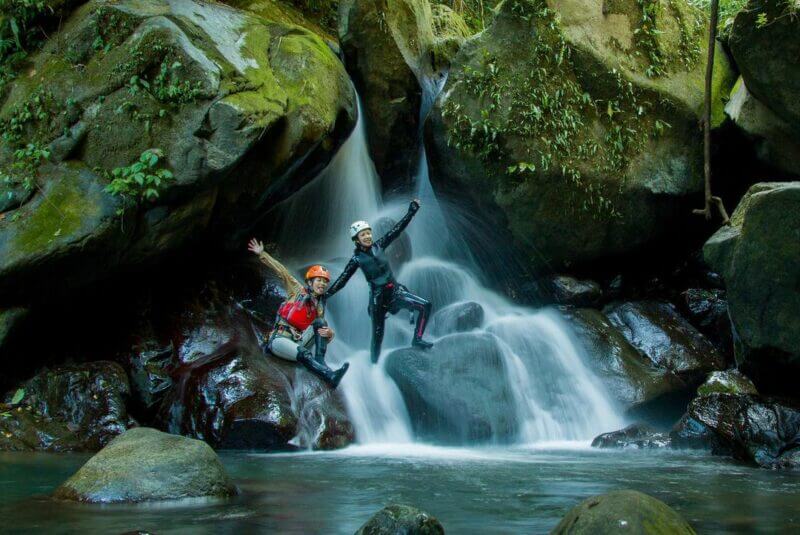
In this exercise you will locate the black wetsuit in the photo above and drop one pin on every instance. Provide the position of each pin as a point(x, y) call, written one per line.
point(386, 295)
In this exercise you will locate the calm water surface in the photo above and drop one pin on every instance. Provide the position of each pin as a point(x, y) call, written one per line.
point(521, 490)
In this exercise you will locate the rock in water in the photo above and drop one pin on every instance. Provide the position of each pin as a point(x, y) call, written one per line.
point(635, 436)
point(456, 392)
point(401, 520)
point(90, 398)
point(622, 511)
point(574, 125)
point(143, 465)
point(244, 111)
point(458, 317)
point(759, 258)
point(748, 427)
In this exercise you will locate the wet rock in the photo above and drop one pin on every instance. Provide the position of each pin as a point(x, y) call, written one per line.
point(727, 382)
point(635, 436)
point(745, 426)
point(566, 290)
point(221, 94)
point(622, 511)
point(21, 429)
point(233, 396)
point(598, 175)
point(89, 398)
point(759, 258)
point(663, 336)
point(397, 519)
point(456, 392)
point(386, 45)
point(150, 374)
point(458, 317)
point(707, 310)
point(145, 465)
point(449, 32)
point(638, 385)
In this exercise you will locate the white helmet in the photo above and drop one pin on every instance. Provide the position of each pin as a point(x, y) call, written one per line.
point(357, 227)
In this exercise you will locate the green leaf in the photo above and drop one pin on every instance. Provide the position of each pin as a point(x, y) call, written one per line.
point(18, 395)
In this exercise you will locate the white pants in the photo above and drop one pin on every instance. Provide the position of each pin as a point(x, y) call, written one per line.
point(286, 348)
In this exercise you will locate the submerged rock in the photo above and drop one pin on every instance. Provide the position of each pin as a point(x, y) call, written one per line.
point(91, 398)
point(759, 258)
point(458, 317)
point(458, 391)
point(622, 511)
point(745, 426)
point(144, 465)
point(669, 341)
point(635, 436)
point(401, 519)
point(574, 125)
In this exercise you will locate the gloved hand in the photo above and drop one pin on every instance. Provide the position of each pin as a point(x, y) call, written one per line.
point(415, 204)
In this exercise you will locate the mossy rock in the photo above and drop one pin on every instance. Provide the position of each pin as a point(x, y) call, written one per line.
point(22, 429)
point(583, 141)
point(215, 89)
point(622, 511)
point(387, 44)
point(727, 382)
point(143, 465)
point(758, 255)
point(397, 518)
point(450, 31)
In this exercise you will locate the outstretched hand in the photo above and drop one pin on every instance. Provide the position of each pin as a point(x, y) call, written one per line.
point(255, 246)
point(417, 202)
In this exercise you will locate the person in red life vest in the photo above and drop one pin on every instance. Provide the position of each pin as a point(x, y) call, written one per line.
point(300, 323)
point(387, 296)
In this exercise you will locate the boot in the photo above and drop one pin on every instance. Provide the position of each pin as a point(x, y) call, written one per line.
point(332, 378)
point(419, 343)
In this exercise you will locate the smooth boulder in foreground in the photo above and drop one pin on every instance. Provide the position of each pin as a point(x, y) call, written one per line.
point(401, 520)
point(143, 465)
point(622, 511)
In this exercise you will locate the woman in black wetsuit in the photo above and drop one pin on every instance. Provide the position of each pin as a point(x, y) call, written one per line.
point(386, 295)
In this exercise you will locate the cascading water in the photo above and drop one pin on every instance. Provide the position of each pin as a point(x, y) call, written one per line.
point(553, 395)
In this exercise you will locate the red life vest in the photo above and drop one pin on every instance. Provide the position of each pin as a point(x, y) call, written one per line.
point(299, 312)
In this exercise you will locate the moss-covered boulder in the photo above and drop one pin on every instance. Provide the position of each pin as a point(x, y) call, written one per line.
point(759, 258)
point(207, 114)
point(387, 46)
point(145, 465)
point(622, 511)
point(405, 519)
point(765, 42)
point(776, 142)
point(449, 32)
point(23, 429)
point(575, 124)
point(727, 382)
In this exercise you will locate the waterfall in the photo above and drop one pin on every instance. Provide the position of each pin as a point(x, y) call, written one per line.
point(555, 397)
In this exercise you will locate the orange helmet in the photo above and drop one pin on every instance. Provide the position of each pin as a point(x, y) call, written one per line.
point(318, 271)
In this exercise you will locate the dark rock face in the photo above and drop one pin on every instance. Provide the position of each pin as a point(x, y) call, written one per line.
point(90, 399)
point(748, 427)
point(144, 465)
point(637, 384)
point(566, 290)
point(24, 430)
point(622, 511)
point(668, 340)
point(635, 436)
point(727, 382)
point(401, 519)
point(473, 407)
point(458, 317)
point(708, 311)
point(759, 258)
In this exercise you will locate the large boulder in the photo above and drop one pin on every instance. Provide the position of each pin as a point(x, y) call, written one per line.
point(746, 426)
point(89, 398)
point(240, 110)
point(707, 310)
point(456, 392)
point(22, 429)
point(401, 519)
point(574, 124)
point(145, 465)
point(457, 317)
point(759, 258)
point(765, 42)
point(727, 382)
point(387, 46)
point(228, 393)
point(638, 385)
point(622, 511)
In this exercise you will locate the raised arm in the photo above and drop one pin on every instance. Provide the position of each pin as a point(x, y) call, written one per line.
point(401, 225)
point(339, 283)
point(291, 284)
